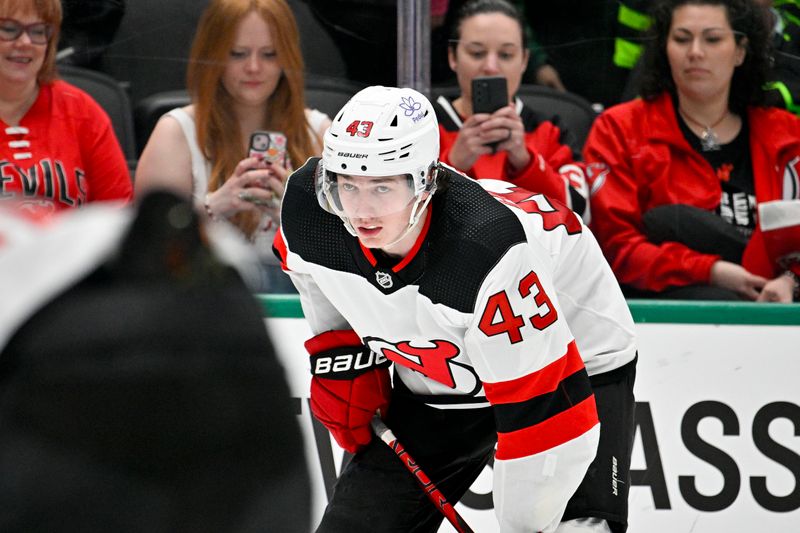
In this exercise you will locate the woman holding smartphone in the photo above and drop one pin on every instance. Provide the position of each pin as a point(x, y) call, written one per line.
point(513, 143)
point(245, 75)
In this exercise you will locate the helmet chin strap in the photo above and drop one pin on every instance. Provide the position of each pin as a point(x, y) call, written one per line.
point(418, 209)
point(413, 220)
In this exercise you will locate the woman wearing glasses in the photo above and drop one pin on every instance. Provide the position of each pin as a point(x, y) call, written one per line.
point(695, 167)
point(57, 146)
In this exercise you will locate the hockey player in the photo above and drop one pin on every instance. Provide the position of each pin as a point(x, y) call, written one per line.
point(471, 295)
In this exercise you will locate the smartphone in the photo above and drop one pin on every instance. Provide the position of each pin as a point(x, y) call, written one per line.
point(489, 93)
point(269, 146)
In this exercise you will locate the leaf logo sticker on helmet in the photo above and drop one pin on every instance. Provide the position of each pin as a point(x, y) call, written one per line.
point(410, 106)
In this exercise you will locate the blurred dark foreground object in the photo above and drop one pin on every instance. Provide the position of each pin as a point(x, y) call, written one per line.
point(147, 397)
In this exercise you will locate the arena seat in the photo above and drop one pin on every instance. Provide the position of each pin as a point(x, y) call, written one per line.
point(573, 112)
point(149, 110)
point(112, 98)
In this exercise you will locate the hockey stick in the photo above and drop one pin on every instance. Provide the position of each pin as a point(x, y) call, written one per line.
point(434, 494)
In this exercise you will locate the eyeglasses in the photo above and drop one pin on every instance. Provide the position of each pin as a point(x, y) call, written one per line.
point(38, 32)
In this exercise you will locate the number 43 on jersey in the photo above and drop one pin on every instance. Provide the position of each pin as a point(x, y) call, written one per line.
point(499, 318)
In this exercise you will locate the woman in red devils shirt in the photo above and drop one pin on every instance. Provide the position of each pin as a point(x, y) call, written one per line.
point(690, 164)
point(512, 144)
point(57, 146)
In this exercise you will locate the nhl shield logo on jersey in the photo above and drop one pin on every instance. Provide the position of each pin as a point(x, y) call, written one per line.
point(384, 279)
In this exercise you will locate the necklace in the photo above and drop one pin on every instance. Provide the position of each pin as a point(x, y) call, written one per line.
point(709, 140)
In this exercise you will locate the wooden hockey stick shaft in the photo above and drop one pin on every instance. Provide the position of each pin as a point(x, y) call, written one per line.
point(433, 493)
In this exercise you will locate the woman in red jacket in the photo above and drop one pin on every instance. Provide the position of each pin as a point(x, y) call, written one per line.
point(514, 143)
point(690, 164)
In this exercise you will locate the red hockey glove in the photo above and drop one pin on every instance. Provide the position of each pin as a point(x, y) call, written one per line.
point(349, 384)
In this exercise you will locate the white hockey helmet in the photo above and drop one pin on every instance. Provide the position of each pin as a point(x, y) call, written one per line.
point(381, 131)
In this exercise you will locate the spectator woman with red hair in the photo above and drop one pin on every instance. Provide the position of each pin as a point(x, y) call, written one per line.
point(245, 75)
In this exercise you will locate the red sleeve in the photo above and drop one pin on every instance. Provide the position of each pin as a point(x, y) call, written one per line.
point(617, 217)
point(548, 156)
point(107, 174)
point(540, 398)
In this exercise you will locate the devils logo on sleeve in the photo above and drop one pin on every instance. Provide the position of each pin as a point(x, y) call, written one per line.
point(553, 213)
point(431, 361)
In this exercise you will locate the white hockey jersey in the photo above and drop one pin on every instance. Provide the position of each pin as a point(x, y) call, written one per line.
point(479, 311)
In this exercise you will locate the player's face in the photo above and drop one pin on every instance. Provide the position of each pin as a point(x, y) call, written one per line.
point(702, 52)
point(489, 44)
point(252, 72)
point(378, 208)
point(20, 59)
